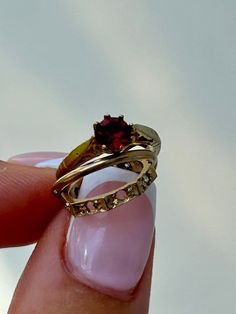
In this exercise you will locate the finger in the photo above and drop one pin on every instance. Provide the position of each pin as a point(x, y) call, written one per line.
point(93, 264)
point(37, 159)
point(27, 205)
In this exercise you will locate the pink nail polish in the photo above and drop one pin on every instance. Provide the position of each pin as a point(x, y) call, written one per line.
point(108, 251)
point(38, 159)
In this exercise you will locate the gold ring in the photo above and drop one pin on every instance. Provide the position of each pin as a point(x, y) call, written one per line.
point(115, 143)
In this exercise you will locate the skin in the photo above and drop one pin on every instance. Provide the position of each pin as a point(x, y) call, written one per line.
point(30, 213)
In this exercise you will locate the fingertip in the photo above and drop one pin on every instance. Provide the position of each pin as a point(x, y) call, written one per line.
point(27, 204)
point(58, 277)
point(35, 158)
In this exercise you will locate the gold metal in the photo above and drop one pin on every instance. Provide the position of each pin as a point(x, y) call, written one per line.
point(100, 163)
point(141, 136)
point(91, 156)
point(111, 200)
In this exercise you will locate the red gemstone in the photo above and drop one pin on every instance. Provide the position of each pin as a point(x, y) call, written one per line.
point(113, 132)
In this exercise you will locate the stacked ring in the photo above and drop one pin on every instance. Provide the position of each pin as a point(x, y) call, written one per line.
point(117, 144)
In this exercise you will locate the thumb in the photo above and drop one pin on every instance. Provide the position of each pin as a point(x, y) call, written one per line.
point(93, 264)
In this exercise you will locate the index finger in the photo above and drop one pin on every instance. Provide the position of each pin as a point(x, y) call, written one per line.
point(27, 205)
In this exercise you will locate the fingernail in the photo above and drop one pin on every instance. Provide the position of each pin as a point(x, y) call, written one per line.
point(39, 159)
point(109, 251)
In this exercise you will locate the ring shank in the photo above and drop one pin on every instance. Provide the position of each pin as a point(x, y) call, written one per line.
point(106, 161)
point(109, 200)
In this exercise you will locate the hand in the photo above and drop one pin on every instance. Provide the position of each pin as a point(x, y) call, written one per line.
point(101, 264)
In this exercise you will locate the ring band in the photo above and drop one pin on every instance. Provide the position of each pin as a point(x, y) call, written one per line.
point(116, 197)
point(114, 144)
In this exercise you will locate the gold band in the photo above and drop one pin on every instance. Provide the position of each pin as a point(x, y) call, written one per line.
point(141, 136)
point(91, 156)
point(110, 160)
point(112, 199)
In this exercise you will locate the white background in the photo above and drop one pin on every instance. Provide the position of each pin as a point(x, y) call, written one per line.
point(167, 64)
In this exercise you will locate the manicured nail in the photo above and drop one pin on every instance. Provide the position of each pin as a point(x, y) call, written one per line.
point(39, 159)
point(109, 251)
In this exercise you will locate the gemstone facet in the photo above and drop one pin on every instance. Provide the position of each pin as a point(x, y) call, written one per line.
point(113, 132)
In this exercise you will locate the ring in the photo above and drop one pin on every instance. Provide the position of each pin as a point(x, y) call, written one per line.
point(115, 143)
